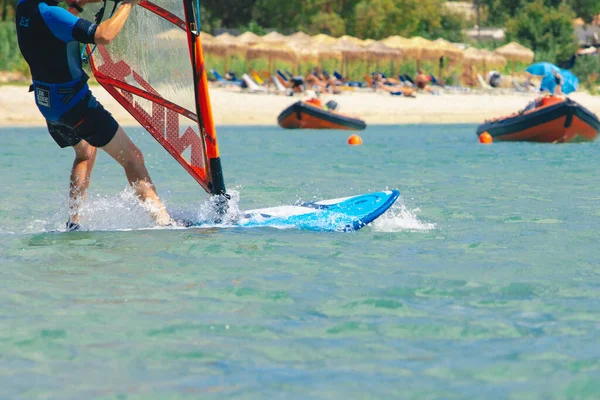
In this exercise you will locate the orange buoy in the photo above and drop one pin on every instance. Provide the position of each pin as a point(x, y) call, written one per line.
point(485, 138)
point(354, 140)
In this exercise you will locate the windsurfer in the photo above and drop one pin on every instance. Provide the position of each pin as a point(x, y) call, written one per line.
point(49, 38)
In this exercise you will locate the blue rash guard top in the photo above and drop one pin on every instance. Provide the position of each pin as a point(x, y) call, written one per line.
point(49, 38)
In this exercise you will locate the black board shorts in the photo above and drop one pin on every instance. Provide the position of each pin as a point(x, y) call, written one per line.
point(87, 120)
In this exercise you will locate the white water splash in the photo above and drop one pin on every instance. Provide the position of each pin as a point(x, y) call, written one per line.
point(399, 218)
point(124, 212)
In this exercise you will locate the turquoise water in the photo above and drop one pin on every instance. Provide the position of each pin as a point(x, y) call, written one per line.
point(482, 282)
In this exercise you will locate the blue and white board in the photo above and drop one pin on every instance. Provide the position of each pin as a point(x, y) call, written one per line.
point(344, 214)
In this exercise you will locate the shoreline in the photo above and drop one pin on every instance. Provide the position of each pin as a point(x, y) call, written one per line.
point(234, 108)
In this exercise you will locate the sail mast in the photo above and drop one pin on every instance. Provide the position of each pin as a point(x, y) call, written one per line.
point(203, 106)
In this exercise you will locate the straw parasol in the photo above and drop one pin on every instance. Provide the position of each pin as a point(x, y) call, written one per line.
point(367, 42)
point(448, 49)
point(324, 39)
point(351, 39)
point(225, 45)
point(350, 51)
point(223, 37)
point(273, 37)
point(248, 38)
point(293, 52)
point(377, 51)
point(172, 38)
point(205, 36)
point(299, 37)
point(279, 51)
point(473, 56)
point(492, 60)
point(516, 52)
point(426, 49)
point(404, 44)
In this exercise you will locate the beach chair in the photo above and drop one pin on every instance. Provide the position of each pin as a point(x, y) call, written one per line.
point(435, 81)
point(405, 82)
point(282, 76)
point(223, 81)
point(289, 74)
point(252, 86)
point(483, 83)
point(257, 77)
point(370, 82)
point(281, 89)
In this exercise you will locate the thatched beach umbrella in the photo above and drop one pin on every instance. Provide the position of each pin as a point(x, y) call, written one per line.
point(299, 37)
point(225, 45)
point(351, 39)
point(473, 62)
point(492, 60)
point(350, 51)
point(368, 42)
point(404, 44)
point(172, 38)
point(273, 37)
point(450, 54)
point(287, 52)
point(516, 52)
point(376, 52)
point(324, 39)
point(248, 38)
point(426, 49)
point(448, 49)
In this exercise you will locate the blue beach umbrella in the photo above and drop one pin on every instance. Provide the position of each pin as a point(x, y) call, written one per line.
point(546, 70)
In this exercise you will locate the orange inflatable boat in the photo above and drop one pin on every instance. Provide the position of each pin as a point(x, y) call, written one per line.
point(312, 114)
point(550, 119)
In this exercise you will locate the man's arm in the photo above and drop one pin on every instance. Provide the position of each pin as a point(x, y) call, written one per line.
point(109, 29)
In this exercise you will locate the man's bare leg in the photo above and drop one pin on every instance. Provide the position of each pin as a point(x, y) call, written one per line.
point(126, 153)
point(85, 158)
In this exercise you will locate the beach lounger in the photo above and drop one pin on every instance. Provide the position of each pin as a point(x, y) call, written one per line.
point(282, 76)
point(405, 82)
point(252, 86)
point(352, 84)
point(370, 82)
point(257, 77)
point(223, 81)
point(483, 83)
point(278, 85)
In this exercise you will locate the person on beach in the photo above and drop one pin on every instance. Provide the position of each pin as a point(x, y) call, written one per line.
point(49, 38)
point(381, 83)
point(559, 80)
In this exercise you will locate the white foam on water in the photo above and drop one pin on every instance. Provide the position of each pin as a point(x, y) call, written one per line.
point(399, 218)
point(124, 212)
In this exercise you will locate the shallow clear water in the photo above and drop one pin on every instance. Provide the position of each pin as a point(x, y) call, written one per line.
point(483, 282)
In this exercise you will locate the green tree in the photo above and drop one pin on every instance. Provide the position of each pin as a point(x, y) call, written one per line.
point(546, 30)
point(381, 18)
point(283, 16)
point(586, 9)
point(8, 8)
point(231, 13)
point(371, 18)
point(451, 28)
point(328, 23)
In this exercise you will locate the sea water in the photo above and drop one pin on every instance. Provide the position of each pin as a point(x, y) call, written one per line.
point(483, 281)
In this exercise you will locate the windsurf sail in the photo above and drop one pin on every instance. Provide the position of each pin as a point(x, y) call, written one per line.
point(155, 69)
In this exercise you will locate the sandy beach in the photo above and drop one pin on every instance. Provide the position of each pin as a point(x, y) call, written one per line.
point(17, 107)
